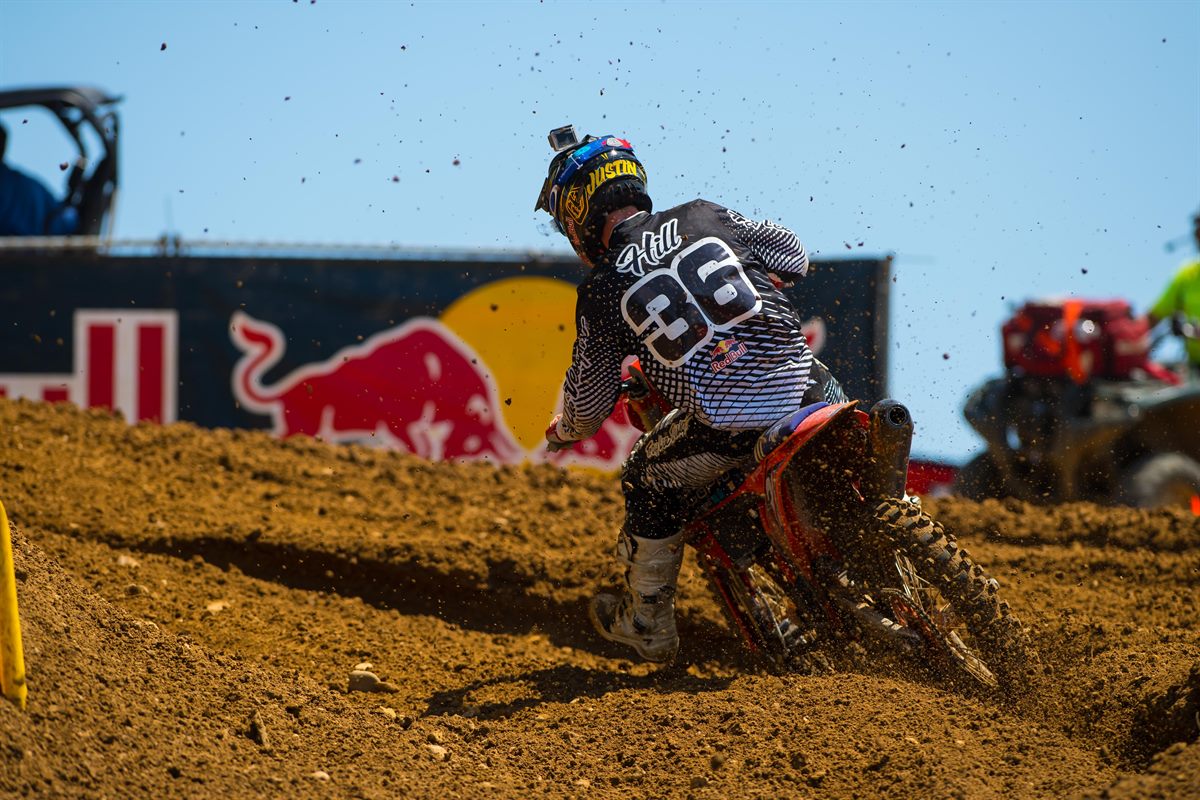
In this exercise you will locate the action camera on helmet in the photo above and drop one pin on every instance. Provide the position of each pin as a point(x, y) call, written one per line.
point(562, 138)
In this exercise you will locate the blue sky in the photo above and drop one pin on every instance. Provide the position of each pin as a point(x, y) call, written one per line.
point(997, 149)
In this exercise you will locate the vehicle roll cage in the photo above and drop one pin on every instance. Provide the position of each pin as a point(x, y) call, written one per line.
point(91, 192)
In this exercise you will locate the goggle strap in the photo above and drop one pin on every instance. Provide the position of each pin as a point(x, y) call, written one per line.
point(577, 158)
point(566, 164)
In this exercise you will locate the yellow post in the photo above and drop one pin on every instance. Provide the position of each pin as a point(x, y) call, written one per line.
point(12, 659)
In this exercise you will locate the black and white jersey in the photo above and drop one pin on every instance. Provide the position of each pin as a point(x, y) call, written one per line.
point(687, 291)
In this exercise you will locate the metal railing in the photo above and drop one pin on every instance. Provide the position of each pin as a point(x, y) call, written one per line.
point(172, 246)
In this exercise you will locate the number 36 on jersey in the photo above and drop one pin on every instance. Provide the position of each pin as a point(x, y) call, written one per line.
point(677, 310)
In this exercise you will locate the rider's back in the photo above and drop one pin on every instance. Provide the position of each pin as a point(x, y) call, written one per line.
point(687, 291)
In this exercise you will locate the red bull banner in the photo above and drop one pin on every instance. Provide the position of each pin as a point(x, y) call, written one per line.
point(448, 358)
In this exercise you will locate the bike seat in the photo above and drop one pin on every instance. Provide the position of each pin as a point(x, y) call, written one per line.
point(778, 433)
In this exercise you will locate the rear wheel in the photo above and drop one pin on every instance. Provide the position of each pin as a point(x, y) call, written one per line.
point(762, 614)
point(1162, 479)
point(948, 598)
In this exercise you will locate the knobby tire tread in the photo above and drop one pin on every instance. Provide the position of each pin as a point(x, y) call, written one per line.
point(966, 585)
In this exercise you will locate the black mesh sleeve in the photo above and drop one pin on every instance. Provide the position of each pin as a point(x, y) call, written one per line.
point(593, 380)
point(777, 247)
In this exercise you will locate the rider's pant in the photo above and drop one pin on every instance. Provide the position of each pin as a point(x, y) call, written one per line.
point(673, 468)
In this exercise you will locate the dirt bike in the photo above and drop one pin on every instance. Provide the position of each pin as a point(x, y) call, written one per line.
point(819, 558)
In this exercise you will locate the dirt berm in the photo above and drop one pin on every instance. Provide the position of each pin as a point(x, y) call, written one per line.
point(194, 602)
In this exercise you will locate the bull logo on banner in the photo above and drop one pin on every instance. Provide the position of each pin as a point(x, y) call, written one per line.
point(416, 387)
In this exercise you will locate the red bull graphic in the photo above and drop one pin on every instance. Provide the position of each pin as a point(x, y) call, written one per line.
point(725, 352)
point(124, 360)
point(415, 387)
point(479, 383)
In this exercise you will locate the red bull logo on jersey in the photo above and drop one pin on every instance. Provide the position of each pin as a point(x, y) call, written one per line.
point(725, 352)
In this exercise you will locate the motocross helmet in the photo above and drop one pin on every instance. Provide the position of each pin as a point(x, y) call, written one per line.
point(586, 182)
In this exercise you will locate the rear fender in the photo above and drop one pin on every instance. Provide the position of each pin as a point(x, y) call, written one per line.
point(778, 459)
point(772, 505)
point(765, 494)
point(786, 522)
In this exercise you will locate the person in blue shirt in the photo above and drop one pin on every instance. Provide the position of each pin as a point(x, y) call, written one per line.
point(27, 208)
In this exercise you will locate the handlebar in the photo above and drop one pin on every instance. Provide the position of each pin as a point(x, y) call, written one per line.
point(635, 387)
point(1184, 326)
point(1181, 325)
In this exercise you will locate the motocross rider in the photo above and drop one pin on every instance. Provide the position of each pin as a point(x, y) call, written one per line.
point(694, 293)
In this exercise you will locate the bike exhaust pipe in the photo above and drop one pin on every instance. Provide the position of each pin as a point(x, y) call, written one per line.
point(891, 430)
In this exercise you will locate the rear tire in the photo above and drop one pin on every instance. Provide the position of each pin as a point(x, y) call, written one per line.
point(1162, 479)
point(972, 594)
point(758, 610)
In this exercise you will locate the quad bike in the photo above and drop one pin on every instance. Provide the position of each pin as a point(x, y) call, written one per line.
point(819, 558)
point(1083, 413)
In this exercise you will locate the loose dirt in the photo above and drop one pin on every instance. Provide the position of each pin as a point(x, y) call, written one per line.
point(193, 603)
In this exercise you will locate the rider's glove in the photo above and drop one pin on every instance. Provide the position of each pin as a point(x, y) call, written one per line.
point(1183, 325)
point(554, 442)
point(1178, 320)
point(779, 282)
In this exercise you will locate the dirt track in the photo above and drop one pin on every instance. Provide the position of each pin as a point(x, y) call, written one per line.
point(194, 601)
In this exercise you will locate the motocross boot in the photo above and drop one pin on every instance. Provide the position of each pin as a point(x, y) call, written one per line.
point(644, 616)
